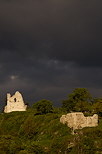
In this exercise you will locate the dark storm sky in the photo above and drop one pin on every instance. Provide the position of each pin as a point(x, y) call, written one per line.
point(50, 47)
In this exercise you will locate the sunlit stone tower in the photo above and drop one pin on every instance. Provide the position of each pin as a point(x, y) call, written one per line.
point(15, 103)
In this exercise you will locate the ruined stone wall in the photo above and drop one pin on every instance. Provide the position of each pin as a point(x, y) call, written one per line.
point(77, 120)
point(15, 103)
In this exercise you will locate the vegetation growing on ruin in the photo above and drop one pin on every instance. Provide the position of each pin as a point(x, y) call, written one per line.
point(34, 132)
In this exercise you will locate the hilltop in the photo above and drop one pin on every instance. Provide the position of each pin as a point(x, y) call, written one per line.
point(38, 129)
point(29, 133)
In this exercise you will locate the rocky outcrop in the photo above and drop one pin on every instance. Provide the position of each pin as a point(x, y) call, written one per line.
point(15, 103)
point(77, 120)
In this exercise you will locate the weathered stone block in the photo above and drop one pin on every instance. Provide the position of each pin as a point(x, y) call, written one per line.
point(77, 120)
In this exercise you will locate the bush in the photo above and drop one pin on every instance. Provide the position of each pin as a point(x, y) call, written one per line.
point(44, 106)
point(35, 148)
point(29, 128)
point(9, 144)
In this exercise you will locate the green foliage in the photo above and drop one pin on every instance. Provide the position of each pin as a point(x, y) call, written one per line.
point(97, 106)
point(35, 132)
point(78, 100)
point(80, 94)
point(9, 144)
point(87, 141)
point(85, 145)
point(46, 135)
point(83, 107)
point(44, 106)
point(68, 105)
point(23, 152)
point(35, 148)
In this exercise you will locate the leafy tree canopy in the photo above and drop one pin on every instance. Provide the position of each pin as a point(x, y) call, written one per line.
point(43, 106)
point(97, 106)
point(80, 95)
point(76, 99)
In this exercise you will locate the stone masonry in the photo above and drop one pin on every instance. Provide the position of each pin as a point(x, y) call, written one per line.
point(15, 103)
point(77, 120)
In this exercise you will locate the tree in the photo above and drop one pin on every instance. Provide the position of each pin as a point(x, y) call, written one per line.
point(83, 107)
point(68, 105)
point(77, 99)
point(43, 106)
point(97, 106)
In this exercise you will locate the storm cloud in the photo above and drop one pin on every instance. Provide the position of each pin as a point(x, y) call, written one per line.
point(50, 47)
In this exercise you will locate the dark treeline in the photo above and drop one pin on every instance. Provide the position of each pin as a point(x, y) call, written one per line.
point(80, 100)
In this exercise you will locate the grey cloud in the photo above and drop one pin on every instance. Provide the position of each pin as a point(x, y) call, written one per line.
point(49, 47)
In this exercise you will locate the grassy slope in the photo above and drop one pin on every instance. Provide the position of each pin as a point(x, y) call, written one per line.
point(26, 133)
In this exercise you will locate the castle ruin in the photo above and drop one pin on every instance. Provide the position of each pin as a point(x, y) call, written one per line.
point(15, 103)
point(77, 120)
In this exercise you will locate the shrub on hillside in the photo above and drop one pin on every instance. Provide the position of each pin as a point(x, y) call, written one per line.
point(43, 106)
point(9, 144)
